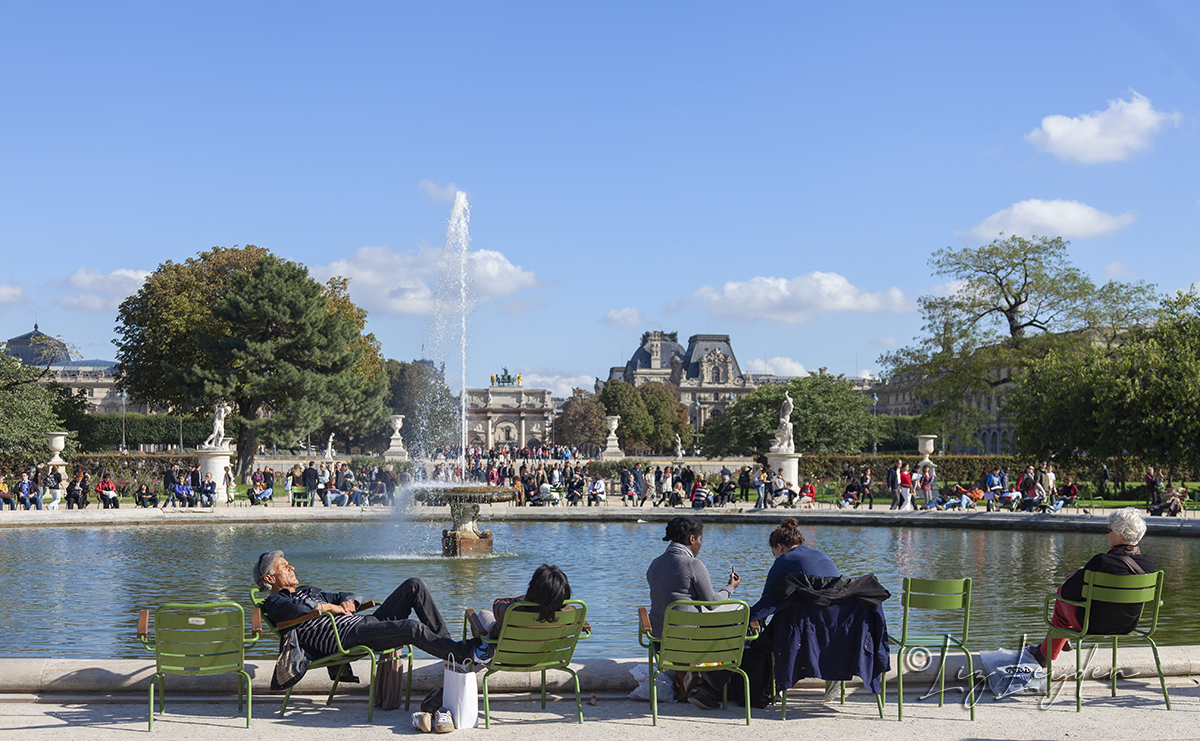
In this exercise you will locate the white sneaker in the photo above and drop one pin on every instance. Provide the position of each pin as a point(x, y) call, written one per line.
point(443, 722)
point(422, 722)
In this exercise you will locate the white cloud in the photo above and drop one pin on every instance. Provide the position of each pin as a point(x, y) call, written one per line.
point(865, 373)
point(1127, 126)
point(777, 367)
point(11, 295)
point(794, 300)
point(1050, 219)
point(628, 318)
point(886, 342)
point(389, 282)
point(559, 382)
point(87, 289)
point(1117, 270)
point(438, 193)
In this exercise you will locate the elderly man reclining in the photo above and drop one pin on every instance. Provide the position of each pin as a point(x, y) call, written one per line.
point(389, 627)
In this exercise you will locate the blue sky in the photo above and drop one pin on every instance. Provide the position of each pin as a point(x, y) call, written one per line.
point(777, 172)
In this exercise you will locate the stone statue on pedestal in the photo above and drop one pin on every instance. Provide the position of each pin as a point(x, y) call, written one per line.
point(329, 448)
point(678, 446)
point(783, 435)
point(218, 433)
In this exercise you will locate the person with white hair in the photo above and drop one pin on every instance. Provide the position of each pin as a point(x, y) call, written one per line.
point(1123, 557)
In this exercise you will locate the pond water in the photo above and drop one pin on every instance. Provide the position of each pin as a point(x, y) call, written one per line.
point(75, 592)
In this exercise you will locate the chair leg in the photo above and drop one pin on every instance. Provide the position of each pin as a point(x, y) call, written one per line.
point(249, 696)
point(543, 689)
point(1158, 665)
point(286, 696)
point(487, 711)
point(408, 681)
point(843, 692)
point(746, 690)
point(371, 689)
point(162, 693)
point(900, 684)
point(653, 695)
point(942, 673)
point(1079, 677)
point(578, 699)
point(151, 704)
point(1112, 673)
point(970, 680)
point(882, 693)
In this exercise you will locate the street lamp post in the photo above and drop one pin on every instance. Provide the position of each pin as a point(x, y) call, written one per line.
point(124, 397)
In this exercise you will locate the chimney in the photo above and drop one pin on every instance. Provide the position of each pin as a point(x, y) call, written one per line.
point(821, 370)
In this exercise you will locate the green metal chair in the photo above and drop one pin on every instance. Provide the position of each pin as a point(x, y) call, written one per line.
point(1131, 589)
point(942, 595)
point(342, 657)
point(526, 644)
point(198, 640)
point(694, 641)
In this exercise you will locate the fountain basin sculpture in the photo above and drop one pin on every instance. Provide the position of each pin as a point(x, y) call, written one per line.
point(464, 538)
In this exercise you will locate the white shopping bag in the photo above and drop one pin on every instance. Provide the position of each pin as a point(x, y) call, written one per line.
point(460, 693)
point(1013, 673)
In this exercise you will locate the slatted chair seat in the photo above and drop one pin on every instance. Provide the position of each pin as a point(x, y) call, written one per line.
point(198, 640)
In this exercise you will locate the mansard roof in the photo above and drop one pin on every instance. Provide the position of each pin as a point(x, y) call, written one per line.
point(699, 346)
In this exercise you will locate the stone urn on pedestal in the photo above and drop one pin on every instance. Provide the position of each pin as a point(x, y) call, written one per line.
point(57, 442)
point(396, 451)
point(925, 447)
point(612, 451)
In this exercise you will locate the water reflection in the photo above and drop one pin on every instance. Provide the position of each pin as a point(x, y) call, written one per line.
point(89, 584)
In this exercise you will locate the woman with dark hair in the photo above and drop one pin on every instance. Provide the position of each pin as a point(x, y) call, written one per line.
point(144, 497)
point(792, 556)
point(679, 574)
point(548, 589)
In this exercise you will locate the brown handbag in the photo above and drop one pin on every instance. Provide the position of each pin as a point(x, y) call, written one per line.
point(389, 682)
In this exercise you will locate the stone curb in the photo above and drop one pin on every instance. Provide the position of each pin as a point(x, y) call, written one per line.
point(975, 520)
point(77, 677)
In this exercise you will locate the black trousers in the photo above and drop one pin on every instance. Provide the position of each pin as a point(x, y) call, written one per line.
point(78, 499)
point(390, 626)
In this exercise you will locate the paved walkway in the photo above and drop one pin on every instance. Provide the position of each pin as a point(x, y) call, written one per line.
point(1136, 713)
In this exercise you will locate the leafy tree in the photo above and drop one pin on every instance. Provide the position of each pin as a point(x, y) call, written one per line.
point(419, 392)
point(1014, 301)
point(897, 433)
point(233, 325)
point(581, 422)
point(159, 324)
point(1138, 395)
point(27, 409)
point(670, 418)
point(636, 426)
point(828, 416)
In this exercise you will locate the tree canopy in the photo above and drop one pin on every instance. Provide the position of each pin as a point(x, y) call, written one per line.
point(828, 416)
point(668, 415)
point(245, 327)
point(27, 409)
point(1010, 302)
point(581, 422)
point(636, 426)
point(1138, 395)
point(419, 392)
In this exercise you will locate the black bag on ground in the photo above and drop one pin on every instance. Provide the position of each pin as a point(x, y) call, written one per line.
point(756, 662)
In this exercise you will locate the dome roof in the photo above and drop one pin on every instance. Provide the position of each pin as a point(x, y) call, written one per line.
point(38, 348)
